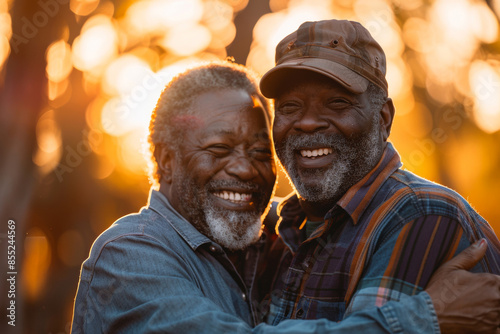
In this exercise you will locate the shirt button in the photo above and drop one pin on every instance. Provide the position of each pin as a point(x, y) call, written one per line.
point(299, 313)
point(212, 249)
point(244, 296)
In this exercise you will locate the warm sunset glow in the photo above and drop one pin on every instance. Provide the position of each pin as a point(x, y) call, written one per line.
point(223, 37)
point(187, 39)
point(57, 89)
point(83, 7)
point(484, 23)
point(4, 50)
point(485, 85)
point(5, 31)
point(123, 74)
point(96, 46)
point(398, 78)
point(59, 64)
point(157, 16)
point(217, 14)
point(49, 142)
point(417, 34)
point(36, 262)
point(85, 75)
point(272, 28)
point(132, 151)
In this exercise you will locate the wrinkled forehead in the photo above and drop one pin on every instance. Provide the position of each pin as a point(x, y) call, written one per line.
point(225, 102)
point(228, 109)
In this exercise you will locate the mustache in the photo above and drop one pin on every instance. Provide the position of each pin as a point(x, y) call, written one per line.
point(296, 141)
point(218, 184)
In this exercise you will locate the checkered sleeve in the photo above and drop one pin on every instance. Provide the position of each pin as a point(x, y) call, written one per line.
point(404, 260)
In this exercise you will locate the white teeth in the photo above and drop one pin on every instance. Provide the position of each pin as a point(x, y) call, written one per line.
point(234, 197)
point(317, 152)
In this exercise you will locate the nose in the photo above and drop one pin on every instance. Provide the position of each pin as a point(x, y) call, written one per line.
point(311, 121)
point(242, 168)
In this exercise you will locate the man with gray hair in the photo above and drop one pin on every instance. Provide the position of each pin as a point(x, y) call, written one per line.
point(187, 263)
point(359, 230)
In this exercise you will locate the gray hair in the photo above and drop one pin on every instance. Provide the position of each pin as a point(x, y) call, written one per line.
point(377, 97)
point(179, 94)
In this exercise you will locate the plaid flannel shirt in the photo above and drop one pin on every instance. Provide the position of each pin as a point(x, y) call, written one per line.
point(381, 242)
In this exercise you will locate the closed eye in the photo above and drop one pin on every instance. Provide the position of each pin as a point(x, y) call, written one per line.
point(263, 154)
point(338, 103)
point(288, 107)
point(219, 149)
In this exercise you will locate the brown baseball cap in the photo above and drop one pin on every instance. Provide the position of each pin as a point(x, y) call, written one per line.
point(339, 49)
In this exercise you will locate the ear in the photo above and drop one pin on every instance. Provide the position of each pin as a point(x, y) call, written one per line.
point(386, 118)
point(164, 159)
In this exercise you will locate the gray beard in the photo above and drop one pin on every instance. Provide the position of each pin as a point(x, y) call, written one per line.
point(234, 230)
point(355, 157)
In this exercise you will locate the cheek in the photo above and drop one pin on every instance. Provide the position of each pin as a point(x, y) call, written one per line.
point(279, 130)
point(351, 123)
point(268, 173)
point(203, 168)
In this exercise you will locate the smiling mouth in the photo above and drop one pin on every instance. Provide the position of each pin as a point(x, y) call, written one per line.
point(316, 152)
point(234, 197)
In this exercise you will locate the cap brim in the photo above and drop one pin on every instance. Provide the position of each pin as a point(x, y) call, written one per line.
point(273, 79)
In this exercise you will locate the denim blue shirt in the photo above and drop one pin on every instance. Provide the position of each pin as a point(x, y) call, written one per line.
point(153, 272)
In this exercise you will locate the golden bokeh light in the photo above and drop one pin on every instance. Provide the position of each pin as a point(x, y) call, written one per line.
point(398, 78)
point(270, 29)
point(217, 14)
point(49, 140)
point(4, 50)
point(237, 4)
point(36, 262)
point(158, 16)
point(83, 7)
point(375, 15)
point(97, 44)
point(484, 24)
point(105, 63)
point(123, 74)
point(132, 152)
point(59, 64)
point(417, 34)
point(187, 39)
point(485, 85)
point(105, 166)
point(223, 37)
point(57, 89)
point(5, 32)
point(408, 5)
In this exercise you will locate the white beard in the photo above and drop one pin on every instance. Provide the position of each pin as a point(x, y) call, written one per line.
point(233, 230)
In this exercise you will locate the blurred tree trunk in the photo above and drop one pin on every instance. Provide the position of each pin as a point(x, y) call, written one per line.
point(22, 98)
point(245, 22)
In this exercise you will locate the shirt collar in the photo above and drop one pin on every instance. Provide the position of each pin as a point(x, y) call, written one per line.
point(358, 197)
point(355, 200)
point(160, 204)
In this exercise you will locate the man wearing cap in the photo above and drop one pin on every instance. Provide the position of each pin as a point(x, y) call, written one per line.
point(358, 231)
point(187, 262)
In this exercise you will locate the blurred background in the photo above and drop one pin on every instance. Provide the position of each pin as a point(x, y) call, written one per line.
point(79, 79)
